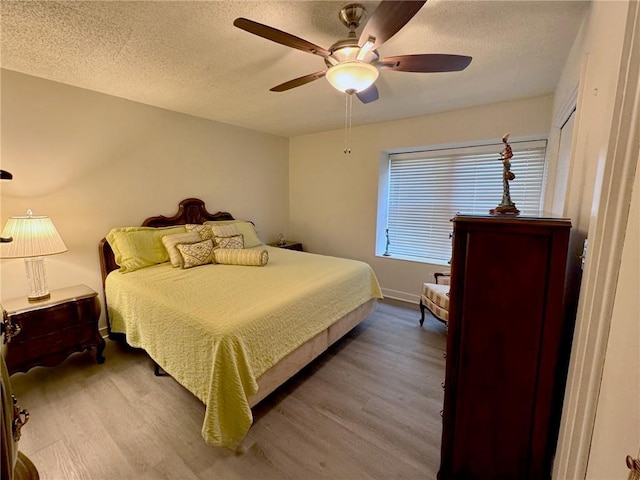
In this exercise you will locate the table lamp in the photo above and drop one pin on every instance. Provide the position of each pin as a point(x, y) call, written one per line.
point(34, 236)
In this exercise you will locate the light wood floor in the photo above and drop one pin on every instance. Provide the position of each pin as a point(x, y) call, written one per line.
point(367, 408)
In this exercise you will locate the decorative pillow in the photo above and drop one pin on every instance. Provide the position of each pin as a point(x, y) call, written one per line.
point(139, 247)
point(224, 230)
point(248, 257)
point(234, 241)
point(171, 243)
point(204, 231)
point(194, 254)
point(247, 229)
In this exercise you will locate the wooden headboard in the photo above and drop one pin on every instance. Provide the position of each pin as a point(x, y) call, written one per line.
point(190, 210)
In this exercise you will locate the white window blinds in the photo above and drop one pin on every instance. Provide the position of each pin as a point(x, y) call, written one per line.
point(426, 189)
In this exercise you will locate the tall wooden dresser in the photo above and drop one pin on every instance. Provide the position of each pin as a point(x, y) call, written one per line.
point(507, 348)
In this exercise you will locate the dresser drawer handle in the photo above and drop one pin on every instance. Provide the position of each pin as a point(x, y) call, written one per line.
point(20, 419)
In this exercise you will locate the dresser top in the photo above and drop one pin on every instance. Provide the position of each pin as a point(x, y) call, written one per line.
point(541, 219)
point(62, 295)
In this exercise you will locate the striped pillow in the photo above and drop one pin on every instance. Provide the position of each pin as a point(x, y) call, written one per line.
point(228, 256)
point(224, 230)
point(171, 243)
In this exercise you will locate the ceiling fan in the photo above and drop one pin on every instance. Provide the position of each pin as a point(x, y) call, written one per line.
point(353, 63)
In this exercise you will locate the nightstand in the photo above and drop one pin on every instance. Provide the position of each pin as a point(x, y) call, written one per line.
point(289, 245)
point(53, 329)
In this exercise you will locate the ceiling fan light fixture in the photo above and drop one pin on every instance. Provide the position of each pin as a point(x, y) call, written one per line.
point(366, 48)
point(352, 76)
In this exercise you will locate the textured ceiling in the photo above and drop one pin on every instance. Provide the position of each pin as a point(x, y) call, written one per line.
point(188, 56)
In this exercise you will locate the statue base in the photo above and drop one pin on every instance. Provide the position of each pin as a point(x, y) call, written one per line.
point(504, 210)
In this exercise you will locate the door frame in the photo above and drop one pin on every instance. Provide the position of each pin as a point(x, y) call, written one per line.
point(602, 266)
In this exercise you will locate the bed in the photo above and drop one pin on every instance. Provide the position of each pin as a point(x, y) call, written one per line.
point(231, 334)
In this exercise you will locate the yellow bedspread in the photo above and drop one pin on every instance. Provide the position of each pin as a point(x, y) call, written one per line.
point(217, 328)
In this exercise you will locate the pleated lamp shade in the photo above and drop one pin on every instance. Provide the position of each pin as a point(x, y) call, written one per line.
point(33, 236)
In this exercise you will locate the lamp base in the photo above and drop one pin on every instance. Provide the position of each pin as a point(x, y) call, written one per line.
point(39, 298)
point(36, 279)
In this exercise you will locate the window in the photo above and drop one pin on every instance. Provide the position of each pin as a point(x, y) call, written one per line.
point(422, 191)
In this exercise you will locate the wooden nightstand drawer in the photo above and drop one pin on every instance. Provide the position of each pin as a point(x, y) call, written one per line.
point(52, 319)
point(53, 329)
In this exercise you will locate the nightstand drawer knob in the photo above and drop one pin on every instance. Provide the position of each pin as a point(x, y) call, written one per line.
point(8, 328)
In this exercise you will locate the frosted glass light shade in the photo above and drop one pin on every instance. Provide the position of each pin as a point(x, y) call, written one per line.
point(352, 77)
point(33, 236)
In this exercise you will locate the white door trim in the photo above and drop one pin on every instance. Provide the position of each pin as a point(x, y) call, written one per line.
point(606, 237)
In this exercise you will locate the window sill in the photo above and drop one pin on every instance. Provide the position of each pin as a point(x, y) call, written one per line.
point(428, 261)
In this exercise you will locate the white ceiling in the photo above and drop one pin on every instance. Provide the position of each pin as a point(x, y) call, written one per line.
point(188, 56)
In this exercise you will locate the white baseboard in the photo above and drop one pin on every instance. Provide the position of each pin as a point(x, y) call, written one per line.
point(402, 296)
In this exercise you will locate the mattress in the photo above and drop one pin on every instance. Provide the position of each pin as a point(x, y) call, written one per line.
point(217, 328)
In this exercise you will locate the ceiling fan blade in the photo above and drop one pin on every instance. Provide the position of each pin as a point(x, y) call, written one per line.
point(369, 95)
point(388, 19)
point(280, 37)
point(425, 63)
point(296, 82)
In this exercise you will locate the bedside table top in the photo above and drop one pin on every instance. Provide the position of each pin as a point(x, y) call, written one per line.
point(62, 295)
point(287, 244)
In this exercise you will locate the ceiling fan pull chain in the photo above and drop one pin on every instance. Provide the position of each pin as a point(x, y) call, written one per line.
point(347, 122)
point(350, 117)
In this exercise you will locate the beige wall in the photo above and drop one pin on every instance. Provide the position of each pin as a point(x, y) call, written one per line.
point(334, 197)
point(92, 162)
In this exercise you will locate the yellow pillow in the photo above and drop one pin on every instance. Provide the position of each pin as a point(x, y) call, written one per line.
point(139, 247)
